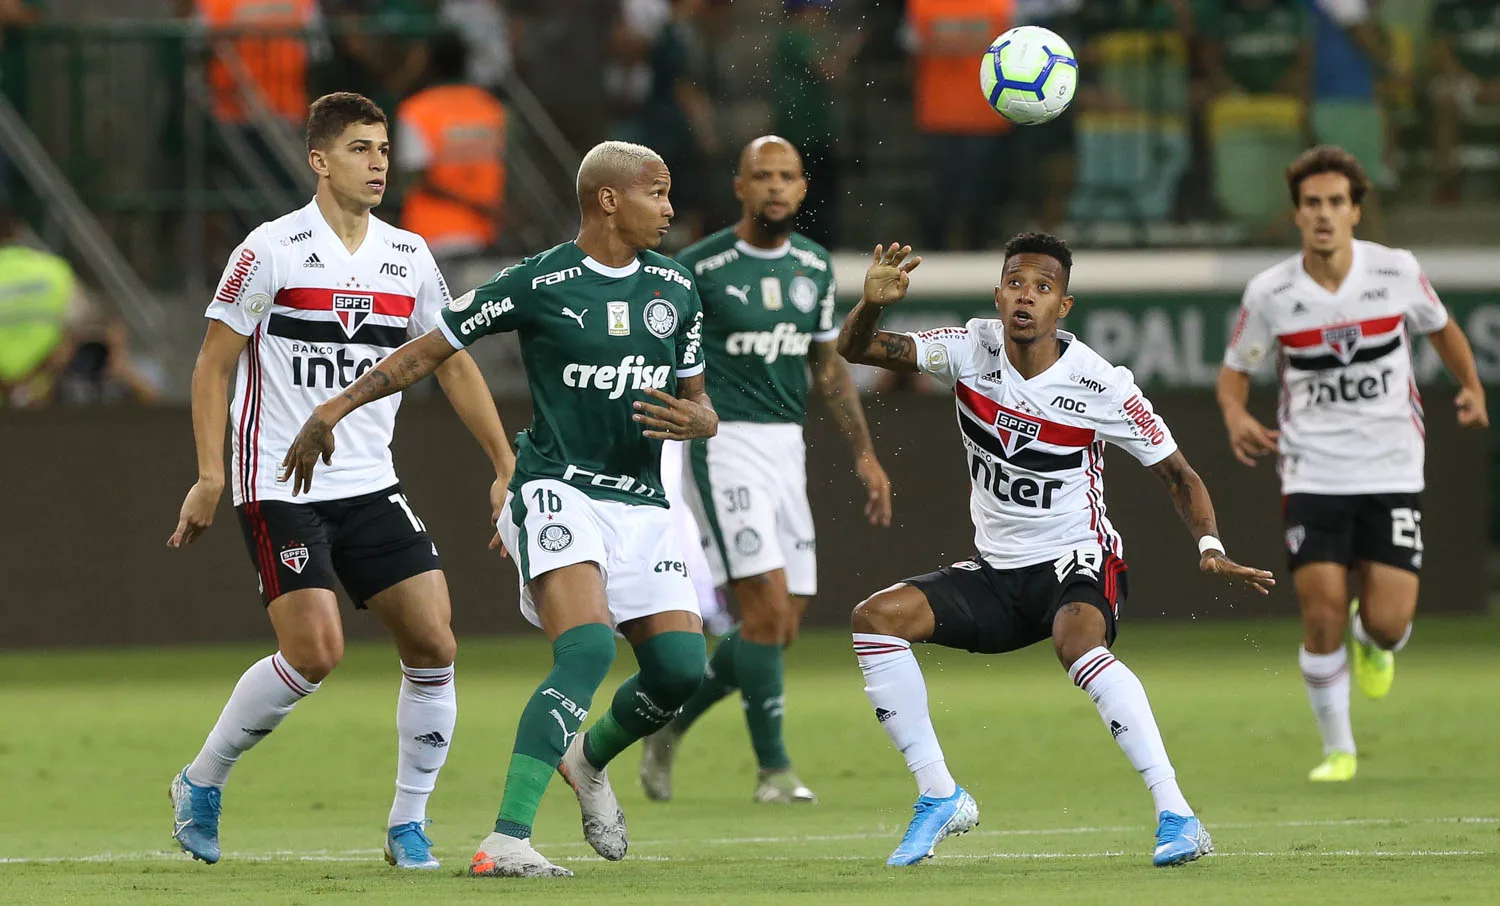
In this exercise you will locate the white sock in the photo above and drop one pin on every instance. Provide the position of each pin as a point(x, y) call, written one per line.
point(425, 715)
point(265, 694)
point(1122, 703)
point(1364, 637)
point(894, 684)
point(1327, 679)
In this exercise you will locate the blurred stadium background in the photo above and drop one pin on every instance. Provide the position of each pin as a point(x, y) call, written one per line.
point(141, 139)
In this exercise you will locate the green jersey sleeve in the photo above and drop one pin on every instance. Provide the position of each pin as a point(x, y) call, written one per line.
point(690, 338)
point(491, 308)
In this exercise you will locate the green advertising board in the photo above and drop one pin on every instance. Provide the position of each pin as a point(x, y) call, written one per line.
point(1177, 340)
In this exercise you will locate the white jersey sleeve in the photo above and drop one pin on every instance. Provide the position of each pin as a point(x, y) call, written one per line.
point(946, 353)
point(248, 287)
point(1253, 334)
point(1426, 313)
point(828, 330)
point(432, 294)
point(1132, 423)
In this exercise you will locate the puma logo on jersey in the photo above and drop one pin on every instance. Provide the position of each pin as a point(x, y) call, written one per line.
point(741, 293)
point(577, 317)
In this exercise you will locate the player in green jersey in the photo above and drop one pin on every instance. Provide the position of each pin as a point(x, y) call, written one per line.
point(768, 297)
point(611, 341)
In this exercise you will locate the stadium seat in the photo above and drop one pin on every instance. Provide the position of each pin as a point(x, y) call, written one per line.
point(1251, 138)
point(1129, 166)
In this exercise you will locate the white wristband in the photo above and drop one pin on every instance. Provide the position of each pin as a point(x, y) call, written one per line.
point(1210, 543)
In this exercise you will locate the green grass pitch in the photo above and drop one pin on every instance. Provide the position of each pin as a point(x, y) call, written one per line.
point(92, 739)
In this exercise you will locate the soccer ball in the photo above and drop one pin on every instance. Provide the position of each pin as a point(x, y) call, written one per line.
point(1028, 75)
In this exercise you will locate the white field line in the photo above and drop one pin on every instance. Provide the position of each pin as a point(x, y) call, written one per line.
point(361, 855)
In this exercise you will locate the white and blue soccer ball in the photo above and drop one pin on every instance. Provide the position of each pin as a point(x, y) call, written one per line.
point(1029, 75)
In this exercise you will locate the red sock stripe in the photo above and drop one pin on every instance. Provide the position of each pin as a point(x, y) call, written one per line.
point(286, 678)
point(1323, 682)
point(1092, 669)
point(868, 649)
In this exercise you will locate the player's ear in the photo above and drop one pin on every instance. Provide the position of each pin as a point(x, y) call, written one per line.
point(1067, 306)
point(318, 161)
point(609, 200)
point(1359, 211)
point(739, 194)
point(997, 297)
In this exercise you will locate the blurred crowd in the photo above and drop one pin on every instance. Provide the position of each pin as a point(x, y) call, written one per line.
point(1186, 112)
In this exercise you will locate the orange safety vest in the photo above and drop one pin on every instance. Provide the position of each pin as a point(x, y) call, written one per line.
point(463, 127)
point(277, 63)
point(947, 94)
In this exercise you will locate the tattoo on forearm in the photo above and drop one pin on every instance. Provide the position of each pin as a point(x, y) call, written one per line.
point(858, 331)
point(1189, 497)
point(379, 382)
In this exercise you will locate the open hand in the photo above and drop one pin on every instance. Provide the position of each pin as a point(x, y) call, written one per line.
point(313, 442)
point(889, 275)
point(676, 418)
point(1216, 564)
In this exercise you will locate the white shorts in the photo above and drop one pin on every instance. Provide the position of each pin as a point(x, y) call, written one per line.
point(550, 524)
point(676, 482)
point(752, 502)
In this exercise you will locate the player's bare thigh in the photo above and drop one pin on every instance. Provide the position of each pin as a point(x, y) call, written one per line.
point(768, 615)
point(1387, 601)
point(901, 611)
point(1323, 595)
point(309, 631)
point(1077, 629)
point(418, 613)
point(568, 597)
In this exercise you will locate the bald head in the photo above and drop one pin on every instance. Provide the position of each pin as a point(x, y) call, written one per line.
point(769, 146)
point(613, 165)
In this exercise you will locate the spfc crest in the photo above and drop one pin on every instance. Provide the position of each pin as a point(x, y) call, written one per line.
point(1294, 538)
point(1015, 431)
point(352, 310)
point(295, 558)
point(1343, 341)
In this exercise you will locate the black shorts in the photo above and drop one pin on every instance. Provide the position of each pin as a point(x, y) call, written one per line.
point(982, 609)
point(368, 543)
point(1348, 528)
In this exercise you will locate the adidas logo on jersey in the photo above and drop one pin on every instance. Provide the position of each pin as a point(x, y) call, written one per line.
point(995, 376)
point(313, 261)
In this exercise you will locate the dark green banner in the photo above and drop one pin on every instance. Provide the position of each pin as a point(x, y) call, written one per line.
point(1178, 340)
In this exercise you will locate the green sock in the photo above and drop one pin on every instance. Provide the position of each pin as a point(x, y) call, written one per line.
point(671, 670)
point(718, 681)
point(581, 657)
point(759, 670)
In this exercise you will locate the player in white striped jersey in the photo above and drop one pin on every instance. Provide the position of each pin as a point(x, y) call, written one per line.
point(1035, 408)
point(307, 304)
point(1340, 316)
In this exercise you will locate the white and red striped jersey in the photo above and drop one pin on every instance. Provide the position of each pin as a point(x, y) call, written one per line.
point(1349, 410)
point(1035, 448)
point(318, 317)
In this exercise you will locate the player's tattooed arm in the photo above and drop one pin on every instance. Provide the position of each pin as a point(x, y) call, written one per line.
point(1195, 508)
point(836, 385)
point(688, 415)
point(886, 283)
point(397, 371)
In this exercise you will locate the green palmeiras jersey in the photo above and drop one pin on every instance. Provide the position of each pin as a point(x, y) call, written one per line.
point(763, 309)
point(593, 339)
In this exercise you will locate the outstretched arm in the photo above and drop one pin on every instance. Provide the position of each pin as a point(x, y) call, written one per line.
point(397, 371)
point(1190, 497)
point(886, 283)
point(836, 386)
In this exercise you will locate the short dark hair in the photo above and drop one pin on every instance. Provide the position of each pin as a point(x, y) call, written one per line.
point(449, 56)
point(1327, 159)
point(1042, 244)
point(331, 114)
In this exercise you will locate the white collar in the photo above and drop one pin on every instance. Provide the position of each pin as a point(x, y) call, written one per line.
point(607, 271)
point(779, 251)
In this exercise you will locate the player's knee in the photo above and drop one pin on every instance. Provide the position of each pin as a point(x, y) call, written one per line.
point(1384, 630)
point(879, 614)
point(674, 669)
point(764, 618)
point(436, 649)
point(586, 653)
point(1076, 630)
point(315, 660)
